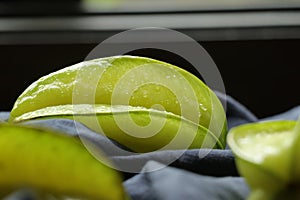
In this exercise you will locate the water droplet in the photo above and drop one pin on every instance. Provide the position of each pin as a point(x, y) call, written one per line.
point(202, 107)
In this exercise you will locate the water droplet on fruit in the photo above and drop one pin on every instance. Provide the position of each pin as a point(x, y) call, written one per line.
point(202, 107)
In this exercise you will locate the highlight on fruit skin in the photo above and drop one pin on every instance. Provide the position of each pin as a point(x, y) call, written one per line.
point(130, 81)
point(267, 155)
point(53, 163)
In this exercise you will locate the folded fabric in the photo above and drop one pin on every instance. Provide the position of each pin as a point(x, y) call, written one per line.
point(171, 184)
point(4, 116)
point(292, 114)
point(236, 113)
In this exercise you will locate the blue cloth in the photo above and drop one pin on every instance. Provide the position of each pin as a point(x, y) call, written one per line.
point(170, 183)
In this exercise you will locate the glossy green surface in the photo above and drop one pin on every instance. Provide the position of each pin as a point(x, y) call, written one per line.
point(53, 163)
point(140, 129)
point(127, 80)
point(267, 155)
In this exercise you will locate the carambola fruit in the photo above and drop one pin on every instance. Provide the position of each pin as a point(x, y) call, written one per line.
point(268, 156)
point(130, 81)
point(54, 163)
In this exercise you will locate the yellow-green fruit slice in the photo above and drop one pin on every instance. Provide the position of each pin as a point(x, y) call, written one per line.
point(127, 80)
point(267, 155)
point(53, 163)
point(149, 129)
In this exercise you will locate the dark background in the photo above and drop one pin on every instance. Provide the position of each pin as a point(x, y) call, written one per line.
point(259, 62)
point(263, 75)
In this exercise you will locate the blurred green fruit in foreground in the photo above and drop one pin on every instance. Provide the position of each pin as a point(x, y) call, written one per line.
point(268, 156)
point(53, 163)
point(127, 80)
